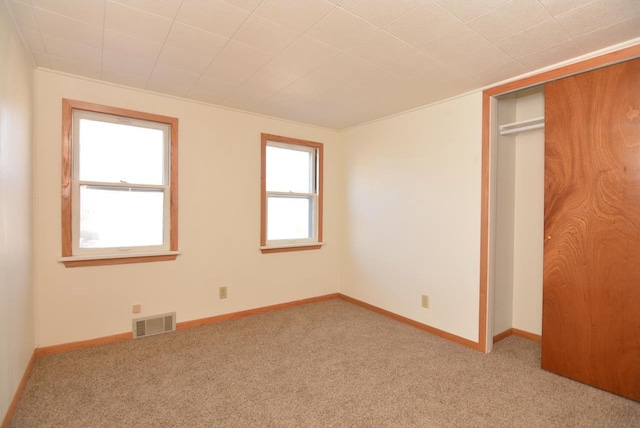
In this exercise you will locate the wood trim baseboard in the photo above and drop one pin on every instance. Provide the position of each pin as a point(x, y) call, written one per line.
point(517, 332)
point(500, 336)
point(443, 334)
point(74, 346)
point(18, 394)
point(527, 335)
point(83, 344)
point(234, 315)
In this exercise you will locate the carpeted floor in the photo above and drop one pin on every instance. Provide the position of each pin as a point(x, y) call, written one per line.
point(318, 365)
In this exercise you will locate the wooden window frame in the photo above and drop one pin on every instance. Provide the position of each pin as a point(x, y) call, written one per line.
point(265, 248)
point(68, 258)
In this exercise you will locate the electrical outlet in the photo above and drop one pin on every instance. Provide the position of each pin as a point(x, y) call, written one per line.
point(425, 301)
point(137, 309)
point(222, 292)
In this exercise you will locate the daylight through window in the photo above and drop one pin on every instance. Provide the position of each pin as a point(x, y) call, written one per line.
point(121, 183)
point(292, 197)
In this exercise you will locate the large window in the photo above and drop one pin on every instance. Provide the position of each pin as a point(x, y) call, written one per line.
point(119, 185)
point(291, 194)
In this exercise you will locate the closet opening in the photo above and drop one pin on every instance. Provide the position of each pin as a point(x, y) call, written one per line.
point(511, 284)
point(517, 221)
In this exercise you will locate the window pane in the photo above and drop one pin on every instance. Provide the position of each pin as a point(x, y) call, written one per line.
point(289, 218)
point(120, 217)
point(289, 170)
point(117, 153)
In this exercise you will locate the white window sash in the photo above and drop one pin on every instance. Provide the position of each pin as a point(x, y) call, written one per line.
point(313, 195)
point(76, 184)
point(314, 219)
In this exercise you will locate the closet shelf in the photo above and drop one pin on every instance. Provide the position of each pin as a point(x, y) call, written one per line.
point(525, 125)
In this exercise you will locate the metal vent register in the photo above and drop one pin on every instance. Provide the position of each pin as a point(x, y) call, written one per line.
point(156, 324)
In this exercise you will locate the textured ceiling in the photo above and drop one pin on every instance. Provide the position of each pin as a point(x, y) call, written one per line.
point(333, 63)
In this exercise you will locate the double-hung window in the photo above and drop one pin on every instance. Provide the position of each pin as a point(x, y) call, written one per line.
point(291, 194)
point(119, 185)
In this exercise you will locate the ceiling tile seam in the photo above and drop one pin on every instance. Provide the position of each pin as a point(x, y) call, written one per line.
point(352, 14)
point(354, 83)
point(495, 46)
point(285, 25)
point(583, 6)
point(518, 60)
point(547, 9)
point(593, 31)
point(511, 35)
point(569, 39)
point(289, 84)
point(131, 37)
point(530, 73)
point(23, 40)
point(182, 98)
point(401, 16)
point(202, 74)
point(564, 30)
point(602, 28)
point(349, 50)
point(436, 60)
point(335, 6)
point(279, 52)
point(519, 32)
point(35, 18)
point(340, 78)
point(145, 12)
point(40, 33)
point(129, 5)
point(420, 5)
point(229, 3)
point(463, 72)
point(62, 16)
point(493, 9)
point(580, 6)
point(305, 102)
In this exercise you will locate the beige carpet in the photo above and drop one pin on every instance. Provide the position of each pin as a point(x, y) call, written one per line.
point(323, 364)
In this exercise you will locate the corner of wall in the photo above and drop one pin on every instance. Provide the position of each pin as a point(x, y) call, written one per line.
point(17, 331)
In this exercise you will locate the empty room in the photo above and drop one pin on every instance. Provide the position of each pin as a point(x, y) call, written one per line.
point(309, 213)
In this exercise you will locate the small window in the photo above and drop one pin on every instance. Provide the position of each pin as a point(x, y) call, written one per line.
point(119, 185)
point(291, 194)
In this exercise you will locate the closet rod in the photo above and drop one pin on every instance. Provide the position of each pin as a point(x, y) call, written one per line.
point(525, 125)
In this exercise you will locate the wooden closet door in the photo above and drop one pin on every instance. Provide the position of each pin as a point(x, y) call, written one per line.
point(591, 303)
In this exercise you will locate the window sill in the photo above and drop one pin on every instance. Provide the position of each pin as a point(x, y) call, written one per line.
point(117, 259)
point(283, 248)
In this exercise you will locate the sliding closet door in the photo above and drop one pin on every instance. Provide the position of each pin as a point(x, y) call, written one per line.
point(591, 304)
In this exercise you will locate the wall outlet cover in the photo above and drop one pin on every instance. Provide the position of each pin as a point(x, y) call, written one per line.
point(425, 301)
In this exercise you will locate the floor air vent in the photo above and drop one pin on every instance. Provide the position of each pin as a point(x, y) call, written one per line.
point(143, 327)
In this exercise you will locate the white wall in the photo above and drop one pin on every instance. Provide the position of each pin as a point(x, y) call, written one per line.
point(413, 214)
point(528, 217)
point(519, 222)
point(505, 194)
point(17, 340)
point(219, 222)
